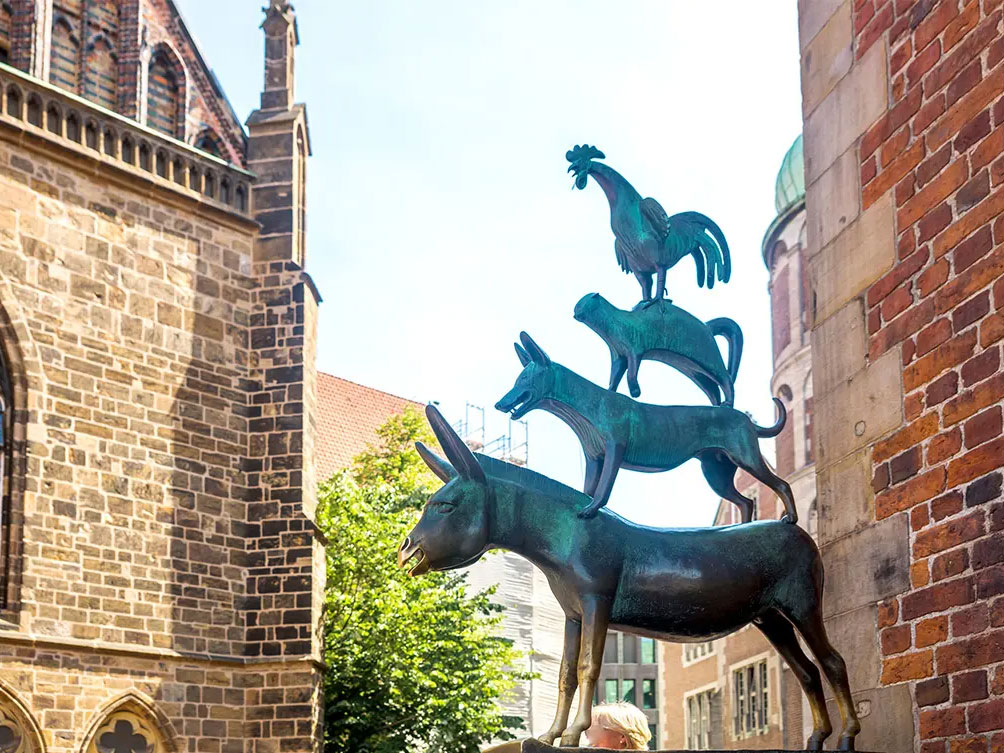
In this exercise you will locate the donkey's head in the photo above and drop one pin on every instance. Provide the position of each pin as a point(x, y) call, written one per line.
point(453, 529)
point(534, 383)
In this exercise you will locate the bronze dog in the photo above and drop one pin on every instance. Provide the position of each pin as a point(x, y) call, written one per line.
point(616, 432)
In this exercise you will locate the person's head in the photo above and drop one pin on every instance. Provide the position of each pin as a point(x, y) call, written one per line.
point(620, 726)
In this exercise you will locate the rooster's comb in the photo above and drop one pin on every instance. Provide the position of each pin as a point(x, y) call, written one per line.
point(584, 152)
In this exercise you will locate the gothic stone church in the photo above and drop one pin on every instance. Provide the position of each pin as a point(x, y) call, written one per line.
point(160, 573)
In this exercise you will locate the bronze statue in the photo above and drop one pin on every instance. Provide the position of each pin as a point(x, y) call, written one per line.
point(616, 432)
point(679, 584)
point(647, 240)
point(664, 332)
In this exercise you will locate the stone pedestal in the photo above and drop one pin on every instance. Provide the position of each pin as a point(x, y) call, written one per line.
point(534, 746)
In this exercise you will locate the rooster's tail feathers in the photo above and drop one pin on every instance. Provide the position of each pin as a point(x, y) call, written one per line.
point(712, 244)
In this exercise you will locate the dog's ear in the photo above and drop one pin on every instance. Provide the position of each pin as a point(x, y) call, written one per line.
point(537, 354)
point(524, 357)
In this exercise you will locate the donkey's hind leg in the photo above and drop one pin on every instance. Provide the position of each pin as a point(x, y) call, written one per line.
point(811, 627)
point(782, 637)
point(720, 473)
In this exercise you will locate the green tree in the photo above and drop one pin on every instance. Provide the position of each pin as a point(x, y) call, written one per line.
point(413, 663)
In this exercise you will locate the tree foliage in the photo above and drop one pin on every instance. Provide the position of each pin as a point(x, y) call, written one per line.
point(413, 663)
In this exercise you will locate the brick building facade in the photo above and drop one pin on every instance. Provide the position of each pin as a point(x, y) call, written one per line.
point(160, 574)
point(903, 104)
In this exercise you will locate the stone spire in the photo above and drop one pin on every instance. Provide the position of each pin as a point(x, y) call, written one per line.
point(279, 144)
point(281, 39)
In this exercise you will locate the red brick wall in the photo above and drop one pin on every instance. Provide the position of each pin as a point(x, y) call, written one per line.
point(779, 316)
point(938, 149)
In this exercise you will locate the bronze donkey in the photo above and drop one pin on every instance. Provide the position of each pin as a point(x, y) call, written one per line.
point(617, 432)
point(684, 585)
point(664, 332)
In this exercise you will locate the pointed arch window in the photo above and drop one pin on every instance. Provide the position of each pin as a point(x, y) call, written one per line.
point(64, 63)
point(132, 725)
point(164, 94)
point(5, 27)
point(209, 142)
point(7, 541)
point(301, 197)
point(18, 732)
point(101, 68)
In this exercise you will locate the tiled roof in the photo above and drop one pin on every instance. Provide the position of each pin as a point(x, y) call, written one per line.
point(348, 415)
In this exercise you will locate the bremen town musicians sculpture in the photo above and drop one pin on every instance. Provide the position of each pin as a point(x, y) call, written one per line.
point(676, 584)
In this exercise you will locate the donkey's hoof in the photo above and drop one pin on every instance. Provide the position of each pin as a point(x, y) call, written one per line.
point(548, 737)
point(815, 741)
point(846, 742)
point(589, 511)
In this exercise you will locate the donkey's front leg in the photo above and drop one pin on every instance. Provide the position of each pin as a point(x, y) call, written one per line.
point(595, 618)
point(613, 454)
point(567, 681)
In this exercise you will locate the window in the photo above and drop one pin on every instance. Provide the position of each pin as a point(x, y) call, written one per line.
point(627, 692)
point(648, 694)
point(163, 104)
point(6, 465)
point(653, 743)
point(647, 651)
point(610, 691)
point(698, 721)
point(696, 651)
point(750, 699)
point(610, 648)
point(5, 24)
point(754, 497)
point(209, 142)
point(629, 649)
point(64, 60)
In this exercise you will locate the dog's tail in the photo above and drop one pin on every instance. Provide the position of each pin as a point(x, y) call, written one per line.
point(728, 329)
point(773, 431)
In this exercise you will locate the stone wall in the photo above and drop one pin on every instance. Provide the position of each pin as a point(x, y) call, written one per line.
point(165, 564)
point(902, 107)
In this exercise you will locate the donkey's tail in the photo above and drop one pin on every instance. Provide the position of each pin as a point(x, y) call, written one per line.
point(773, 431)
point(728, 329)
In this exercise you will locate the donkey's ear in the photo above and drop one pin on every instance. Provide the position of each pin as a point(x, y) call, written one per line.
point(524, 357)
point(457, 452)
point(440, 467)
point(537, 353)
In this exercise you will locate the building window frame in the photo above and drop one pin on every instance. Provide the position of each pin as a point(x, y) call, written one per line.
point(697, 717)
point(695, 652)
point(13, 444)
point(750, 694)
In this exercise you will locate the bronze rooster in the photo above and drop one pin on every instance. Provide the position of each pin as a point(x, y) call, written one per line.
point(648, 241)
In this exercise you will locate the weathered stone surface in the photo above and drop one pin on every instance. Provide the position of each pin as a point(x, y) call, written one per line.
point(867, 566)
point(826, 58)
point(839, 346)
point(857, 257)
point(861, 409)
point(857, 101)
point(855, 635)
point(886, 718)
point(836, 190)
point(813, 15)
point(846, 501)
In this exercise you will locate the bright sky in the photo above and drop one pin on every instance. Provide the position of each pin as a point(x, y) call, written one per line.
point(441, 220)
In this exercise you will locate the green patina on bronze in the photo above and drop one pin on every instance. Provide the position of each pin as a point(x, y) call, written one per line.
point(673, 584)
point(647, 240)
point(617, 432)
point(664, 332)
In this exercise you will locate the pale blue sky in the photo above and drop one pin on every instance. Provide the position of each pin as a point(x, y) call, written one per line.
point(441, 220)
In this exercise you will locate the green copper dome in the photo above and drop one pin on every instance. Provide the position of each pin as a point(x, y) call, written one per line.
point(790, 185)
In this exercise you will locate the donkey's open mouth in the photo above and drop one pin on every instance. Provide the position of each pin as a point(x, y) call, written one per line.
point(518, 404)
point(411, 551)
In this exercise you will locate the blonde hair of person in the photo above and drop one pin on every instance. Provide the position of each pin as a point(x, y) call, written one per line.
point(625, 718)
